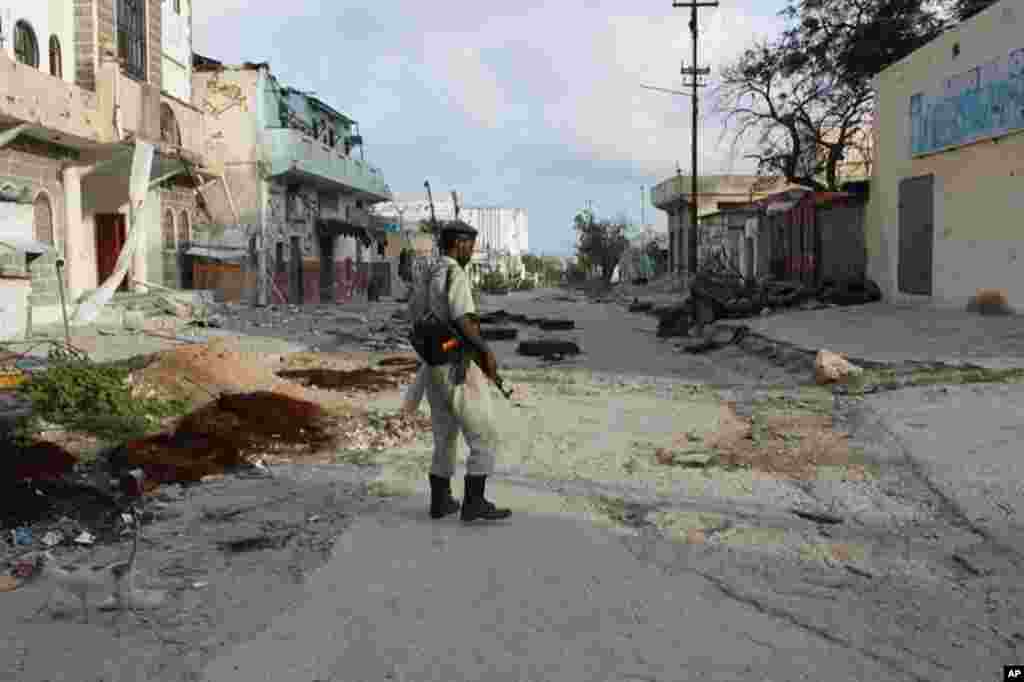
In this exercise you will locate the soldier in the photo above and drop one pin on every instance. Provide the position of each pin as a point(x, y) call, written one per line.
point(458, 393)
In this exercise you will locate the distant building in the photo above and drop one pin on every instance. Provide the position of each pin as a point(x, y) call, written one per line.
point(714, 193)
point(291, 163)
point(503, 233)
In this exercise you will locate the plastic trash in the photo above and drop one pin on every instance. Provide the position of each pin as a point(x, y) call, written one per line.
point(22, 536)
point(85, 538)
point(53, 538)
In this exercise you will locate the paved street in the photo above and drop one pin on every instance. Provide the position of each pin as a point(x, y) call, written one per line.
point(694, 575)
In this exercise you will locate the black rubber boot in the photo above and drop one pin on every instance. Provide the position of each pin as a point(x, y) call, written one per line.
point(441, 501)
point(475, 506)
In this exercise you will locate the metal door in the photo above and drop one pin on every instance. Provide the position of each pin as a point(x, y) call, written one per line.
point(111, 234)
point(916, 235)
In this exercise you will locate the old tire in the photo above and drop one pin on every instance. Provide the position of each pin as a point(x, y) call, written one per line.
point(556, 325)
point(547, 347)
point(499, 333)
point(497, 317)
point(640, 307)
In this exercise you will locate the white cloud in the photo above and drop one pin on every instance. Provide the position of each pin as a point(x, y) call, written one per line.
point(471, 85)
point(614, 118)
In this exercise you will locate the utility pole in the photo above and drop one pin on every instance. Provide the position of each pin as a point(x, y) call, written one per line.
point(694, 71)
point(643, 219)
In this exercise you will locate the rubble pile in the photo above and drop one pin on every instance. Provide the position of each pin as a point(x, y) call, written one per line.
point(719, 291)
point(202, 371)
point(375, 432)
point(321, 325)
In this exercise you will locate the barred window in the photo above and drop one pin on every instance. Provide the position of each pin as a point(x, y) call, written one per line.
point(131, 37)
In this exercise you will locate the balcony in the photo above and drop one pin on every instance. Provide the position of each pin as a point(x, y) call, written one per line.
point(291, 152)
point(59, 111)
point(148, 114)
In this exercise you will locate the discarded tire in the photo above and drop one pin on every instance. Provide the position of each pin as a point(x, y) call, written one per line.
point(496, 317)
point(640, 307)
point(547, 347)
point(555, 325)
point(499, 333)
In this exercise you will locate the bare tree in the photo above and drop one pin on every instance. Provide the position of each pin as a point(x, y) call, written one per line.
point(601, 242)
point(806, 97)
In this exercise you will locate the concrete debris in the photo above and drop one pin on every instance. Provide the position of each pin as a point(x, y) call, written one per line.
point(832, 368)
point(990, 302)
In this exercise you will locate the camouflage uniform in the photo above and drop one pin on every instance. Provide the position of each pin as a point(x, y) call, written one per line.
point(459, 395)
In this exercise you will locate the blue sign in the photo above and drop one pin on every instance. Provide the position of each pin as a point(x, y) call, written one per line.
point(982, 102)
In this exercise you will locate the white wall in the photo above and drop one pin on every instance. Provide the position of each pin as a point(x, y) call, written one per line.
point(176, 34)
point(50, 17)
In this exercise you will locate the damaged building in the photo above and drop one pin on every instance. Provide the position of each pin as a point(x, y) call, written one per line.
point(296, 176)
point(92, 91)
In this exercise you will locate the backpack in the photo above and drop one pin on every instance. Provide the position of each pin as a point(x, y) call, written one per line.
point(435, 341)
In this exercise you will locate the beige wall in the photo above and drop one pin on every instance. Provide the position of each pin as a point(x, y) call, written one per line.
point(228, 98)
point(979, 188)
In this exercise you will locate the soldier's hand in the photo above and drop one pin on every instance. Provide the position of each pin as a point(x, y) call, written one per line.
point(489, 365)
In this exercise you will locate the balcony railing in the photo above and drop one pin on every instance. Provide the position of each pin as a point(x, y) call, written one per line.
point(28, 95)
point(143, 113)
point(292, 151)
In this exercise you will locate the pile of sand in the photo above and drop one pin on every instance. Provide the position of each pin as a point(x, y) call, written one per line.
point(202, 372)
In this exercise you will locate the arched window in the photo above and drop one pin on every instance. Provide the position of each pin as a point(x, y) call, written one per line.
point(42, 221)
point(26, 48)
point(184, 228)
point(169, 130)
point(56, 65)
point(168, 230)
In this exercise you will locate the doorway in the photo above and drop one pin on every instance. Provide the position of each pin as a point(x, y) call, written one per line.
point(295, 275)
point(111, 234)
point(916, 235)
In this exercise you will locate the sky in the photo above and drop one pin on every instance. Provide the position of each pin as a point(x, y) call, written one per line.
point(534, 104)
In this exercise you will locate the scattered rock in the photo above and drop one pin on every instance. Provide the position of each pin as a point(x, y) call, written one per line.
point(255, 543)
point(832, 367)
point(990, 302)
point(9, 583)
point(818, 517)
